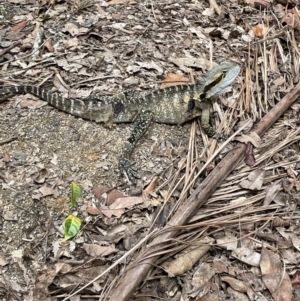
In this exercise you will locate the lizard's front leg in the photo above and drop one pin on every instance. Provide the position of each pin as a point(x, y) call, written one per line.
point(141, 125)
point(205, 122)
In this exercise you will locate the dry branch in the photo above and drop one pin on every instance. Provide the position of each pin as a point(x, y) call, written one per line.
point(139, 269)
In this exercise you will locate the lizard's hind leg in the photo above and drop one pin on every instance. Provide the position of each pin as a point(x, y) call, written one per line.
point(140, 126)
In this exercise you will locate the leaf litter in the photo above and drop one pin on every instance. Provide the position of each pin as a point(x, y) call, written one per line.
point(112, 46)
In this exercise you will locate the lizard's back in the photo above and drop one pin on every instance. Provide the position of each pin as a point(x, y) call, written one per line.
point(170, 105)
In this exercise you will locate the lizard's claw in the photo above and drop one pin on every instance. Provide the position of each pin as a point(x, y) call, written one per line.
point(128, 169)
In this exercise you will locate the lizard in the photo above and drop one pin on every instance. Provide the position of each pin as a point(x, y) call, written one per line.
point(171, 105)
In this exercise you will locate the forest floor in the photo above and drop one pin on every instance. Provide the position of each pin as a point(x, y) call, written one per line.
point(242, 244)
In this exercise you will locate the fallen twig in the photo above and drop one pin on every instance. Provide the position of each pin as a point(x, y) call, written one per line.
point(137, 271)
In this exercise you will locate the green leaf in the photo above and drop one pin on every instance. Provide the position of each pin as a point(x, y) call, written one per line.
point(75, 193)
point(71, 226)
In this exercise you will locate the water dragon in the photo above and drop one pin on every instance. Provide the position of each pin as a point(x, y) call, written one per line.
point(172, 105)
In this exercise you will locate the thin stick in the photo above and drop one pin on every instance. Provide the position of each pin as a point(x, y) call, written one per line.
point(215, 6)
point(139, 269)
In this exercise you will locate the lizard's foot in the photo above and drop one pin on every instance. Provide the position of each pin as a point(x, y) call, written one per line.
point(210, 132)
point(128, 169)
point(220, 136)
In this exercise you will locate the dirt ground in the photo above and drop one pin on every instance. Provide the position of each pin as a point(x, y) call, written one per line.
point(249, 227)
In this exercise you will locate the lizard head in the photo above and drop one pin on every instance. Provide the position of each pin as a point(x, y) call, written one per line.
point(218, 78)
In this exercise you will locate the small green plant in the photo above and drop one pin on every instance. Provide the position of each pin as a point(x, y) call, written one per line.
point(72, 226)
point(2, 10)
point(73, 223)
point(75, 193)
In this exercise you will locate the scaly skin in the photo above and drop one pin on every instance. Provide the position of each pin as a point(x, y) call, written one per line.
point(172, 105)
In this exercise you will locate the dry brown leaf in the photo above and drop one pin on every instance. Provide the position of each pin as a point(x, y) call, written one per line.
point(274, 277)
point(14, 35)
point(99, 190)
point(201, 278)
point(49, 45)
point(269, 236)
point(234, 295)
point(228, 241)
point(48, 191)
point(220, 267)
point(291, 19)
point(290, 236)
point(6, 156)
point(126, 202)
point(110, 212)
point(41, 287)
point(118, 207)
point(247, 256)
point(271, 269)
point(184, 63)
point(96, 250)
point(19, 26)
point(290, 256)
point(63, 248)
point(271, 193)
point(62, 268)
point(260, 30)
point(236, 284)
point(151, 65)
point(174, 79)
point(252, 138)
point(71, 28)
point(112, 196)
point(94, 211)
point(255, 180)
point(152, 185)
point(254, 280)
